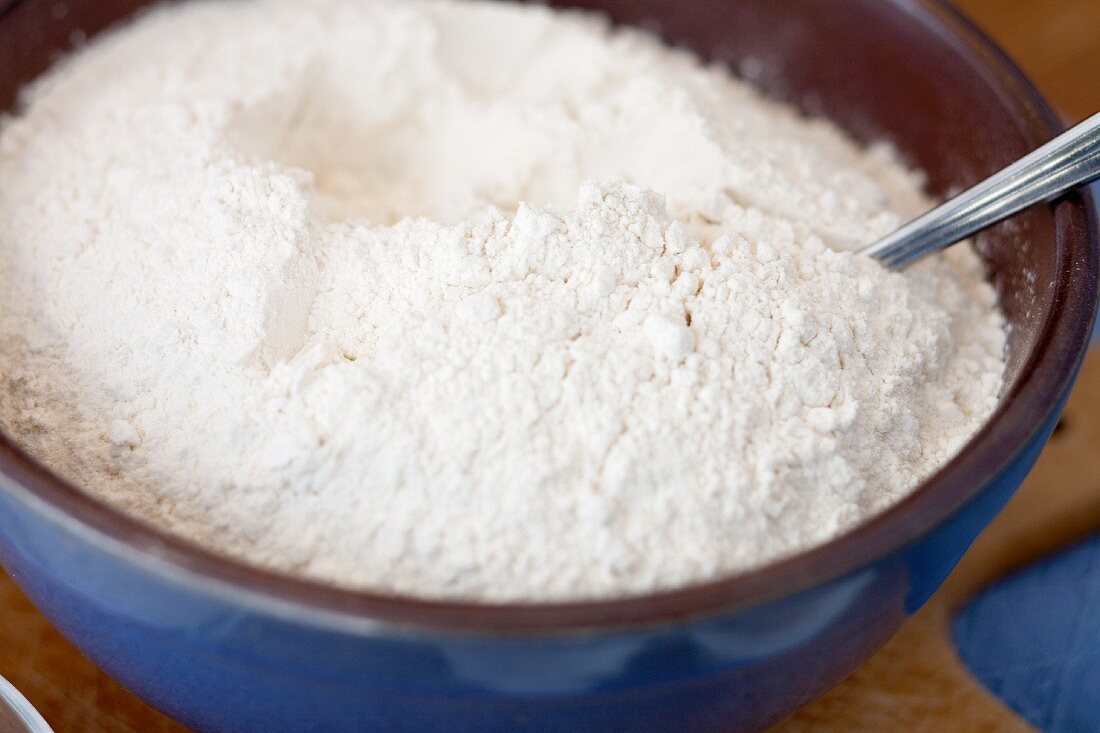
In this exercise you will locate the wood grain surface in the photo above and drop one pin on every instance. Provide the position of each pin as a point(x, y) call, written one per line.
point(916, 682)
point(1056, 42)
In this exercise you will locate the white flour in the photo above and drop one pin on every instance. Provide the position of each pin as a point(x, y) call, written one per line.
point(219, 312)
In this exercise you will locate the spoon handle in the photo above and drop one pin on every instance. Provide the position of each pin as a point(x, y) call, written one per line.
point(1067, 161)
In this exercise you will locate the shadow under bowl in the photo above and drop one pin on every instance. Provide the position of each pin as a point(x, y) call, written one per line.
point(223, 646)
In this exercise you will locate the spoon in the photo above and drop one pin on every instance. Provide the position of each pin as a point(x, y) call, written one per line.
point(1072, 159)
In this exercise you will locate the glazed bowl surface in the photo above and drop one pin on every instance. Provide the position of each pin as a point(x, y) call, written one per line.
point(223, 646)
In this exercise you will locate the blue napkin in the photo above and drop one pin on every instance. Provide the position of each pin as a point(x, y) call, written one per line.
point(1033, 639)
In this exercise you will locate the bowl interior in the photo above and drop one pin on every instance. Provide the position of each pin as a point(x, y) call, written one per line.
point(911, 72)
point(879, 77)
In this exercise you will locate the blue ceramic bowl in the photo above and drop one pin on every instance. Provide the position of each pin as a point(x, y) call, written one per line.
point(226, 647)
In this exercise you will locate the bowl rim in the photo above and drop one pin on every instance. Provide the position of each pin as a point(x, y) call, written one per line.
point(1020, 416)
point(20, 706)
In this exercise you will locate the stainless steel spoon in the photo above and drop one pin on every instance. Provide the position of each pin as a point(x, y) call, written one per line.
point(1069, 160)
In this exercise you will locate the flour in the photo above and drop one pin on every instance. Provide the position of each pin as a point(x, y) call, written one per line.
point(467, 300)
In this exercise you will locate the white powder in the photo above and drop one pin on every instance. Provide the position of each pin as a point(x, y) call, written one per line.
point(381, 293)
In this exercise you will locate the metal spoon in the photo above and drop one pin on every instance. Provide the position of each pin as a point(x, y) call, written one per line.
point(1069, 160)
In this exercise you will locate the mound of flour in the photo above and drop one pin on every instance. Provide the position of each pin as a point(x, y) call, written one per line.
point(467, 300)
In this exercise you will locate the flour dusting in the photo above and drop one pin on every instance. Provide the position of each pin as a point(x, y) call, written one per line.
point(470, 300)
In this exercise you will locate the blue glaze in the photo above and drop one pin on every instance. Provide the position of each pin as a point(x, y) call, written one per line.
point(932, 558)
point(221, 660)
point(1034, 640)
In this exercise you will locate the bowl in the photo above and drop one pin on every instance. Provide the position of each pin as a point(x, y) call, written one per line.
point(16, 714)
point(223, 646)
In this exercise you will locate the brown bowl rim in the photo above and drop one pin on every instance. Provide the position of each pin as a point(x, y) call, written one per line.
point(1023, 412)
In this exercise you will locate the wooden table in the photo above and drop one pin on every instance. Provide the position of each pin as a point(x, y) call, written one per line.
point(1056, 42)
point(915, 683)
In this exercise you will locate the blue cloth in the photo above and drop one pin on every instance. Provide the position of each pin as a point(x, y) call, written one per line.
point(1033, 639)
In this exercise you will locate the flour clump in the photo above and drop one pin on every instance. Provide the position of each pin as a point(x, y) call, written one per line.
point(469, 300)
